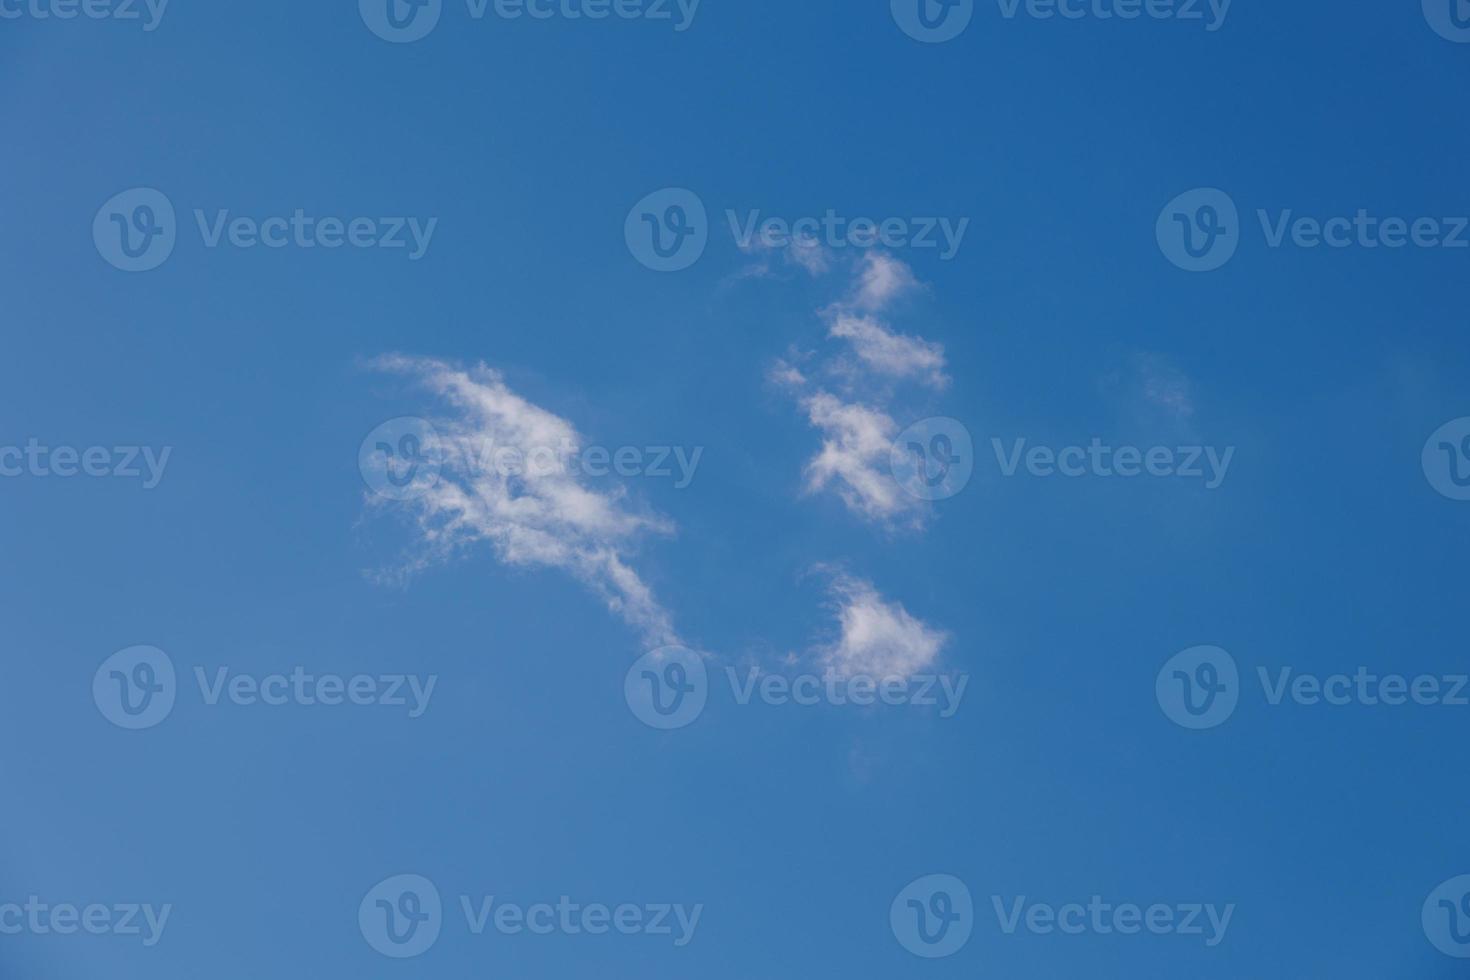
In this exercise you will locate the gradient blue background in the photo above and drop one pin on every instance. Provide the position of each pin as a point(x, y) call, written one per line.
point(528, 778)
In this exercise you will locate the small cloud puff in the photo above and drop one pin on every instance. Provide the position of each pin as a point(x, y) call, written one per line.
point(878, 638)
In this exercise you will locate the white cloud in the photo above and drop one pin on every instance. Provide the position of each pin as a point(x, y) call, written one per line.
point(856, 445)
point(881, 280)
point(878, 638)
point(891, 354)
point(807, 254)
point(539, 516)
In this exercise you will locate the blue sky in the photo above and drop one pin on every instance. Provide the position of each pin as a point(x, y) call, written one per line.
point(1331, 542)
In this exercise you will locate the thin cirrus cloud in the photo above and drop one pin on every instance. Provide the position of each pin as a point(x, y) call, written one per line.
point(878, 638)
point(535, 516)
point(881, 281)
point(857, 430)
point(857, 443)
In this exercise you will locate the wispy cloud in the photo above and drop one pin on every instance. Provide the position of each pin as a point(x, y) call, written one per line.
point(878, 638)
point(537, 517)
point(881, 280)
point(807, 254)
point(854, 460)
point(891, 354)
point(856, 427)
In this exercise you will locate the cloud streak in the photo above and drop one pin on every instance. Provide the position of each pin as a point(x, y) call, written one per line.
point(541, 516)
